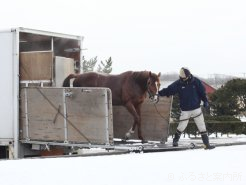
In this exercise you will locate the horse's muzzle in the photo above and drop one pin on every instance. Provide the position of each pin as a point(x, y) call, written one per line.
point(155, 98)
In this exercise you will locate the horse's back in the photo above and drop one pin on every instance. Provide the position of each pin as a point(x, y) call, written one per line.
point(88, 79)
point(123, 86)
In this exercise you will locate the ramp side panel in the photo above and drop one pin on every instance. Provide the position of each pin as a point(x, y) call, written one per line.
point(86, 111)
point(44, 121)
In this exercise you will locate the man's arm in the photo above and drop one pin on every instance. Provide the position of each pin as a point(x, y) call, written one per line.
point(170, 90)
point(202, 92)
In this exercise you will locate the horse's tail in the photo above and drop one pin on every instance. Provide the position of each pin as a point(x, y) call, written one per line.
point(66, 82)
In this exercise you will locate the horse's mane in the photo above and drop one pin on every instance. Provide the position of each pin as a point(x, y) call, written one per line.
point(141, 77)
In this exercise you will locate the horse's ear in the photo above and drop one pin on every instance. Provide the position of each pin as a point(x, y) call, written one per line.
point(149, 73)
point(159, 74)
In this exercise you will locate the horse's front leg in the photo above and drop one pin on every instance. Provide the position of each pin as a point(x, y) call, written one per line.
point(135, 112)
point(138, 109)
point(131, 109)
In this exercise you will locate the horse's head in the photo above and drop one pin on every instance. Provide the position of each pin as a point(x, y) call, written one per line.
point(153, 86)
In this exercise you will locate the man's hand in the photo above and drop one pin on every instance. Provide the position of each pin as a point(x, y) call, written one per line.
point(206, 105)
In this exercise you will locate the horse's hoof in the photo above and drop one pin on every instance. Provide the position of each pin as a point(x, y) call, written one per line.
point(127, 136)
point(123, 140)
point(144, 141)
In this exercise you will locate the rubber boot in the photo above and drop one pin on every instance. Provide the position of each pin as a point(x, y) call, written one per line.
point(206, 142)
point(176, 138)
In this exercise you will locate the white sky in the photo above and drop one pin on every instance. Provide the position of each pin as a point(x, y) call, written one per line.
point(221, 166)
point(207, 36)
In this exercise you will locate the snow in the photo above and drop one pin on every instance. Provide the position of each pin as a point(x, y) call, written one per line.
point(223, 165)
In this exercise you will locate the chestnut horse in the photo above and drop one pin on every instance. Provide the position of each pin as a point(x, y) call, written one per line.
point(128, 89)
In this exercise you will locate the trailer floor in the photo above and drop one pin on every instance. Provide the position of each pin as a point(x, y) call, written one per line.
point(184, 144)
point(135, 146)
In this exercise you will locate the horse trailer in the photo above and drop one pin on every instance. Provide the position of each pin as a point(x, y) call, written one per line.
point(40, 117)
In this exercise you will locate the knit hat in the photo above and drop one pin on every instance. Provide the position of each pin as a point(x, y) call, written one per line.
point(184, 73)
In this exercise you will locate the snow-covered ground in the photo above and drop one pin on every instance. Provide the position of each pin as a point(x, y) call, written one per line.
point(223, 165)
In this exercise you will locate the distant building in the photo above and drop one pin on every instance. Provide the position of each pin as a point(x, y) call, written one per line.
point(209, 89)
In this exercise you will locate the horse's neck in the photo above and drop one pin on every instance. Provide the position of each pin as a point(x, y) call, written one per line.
point(141, 79)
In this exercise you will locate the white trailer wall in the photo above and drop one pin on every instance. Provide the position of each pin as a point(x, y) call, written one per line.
point(14, 42)
point(6, 84)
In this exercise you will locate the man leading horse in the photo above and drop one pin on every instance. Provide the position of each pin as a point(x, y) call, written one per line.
point(191, 92)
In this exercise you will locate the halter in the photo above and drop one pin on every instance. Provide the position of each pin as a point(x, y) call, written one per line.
point(153, 97)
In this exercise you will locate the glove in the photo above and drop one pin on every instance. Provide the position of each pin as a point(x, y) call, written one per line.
point(206, 105)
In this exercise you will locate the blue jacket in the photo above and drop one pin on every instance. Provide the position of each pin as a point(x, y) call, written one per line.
point(190, 93)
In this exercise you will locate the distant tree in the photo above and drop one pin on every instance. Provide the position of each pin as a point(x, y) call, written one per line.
point(230, 99)
point(105, 67)
point(175, 112)
point(88, 65)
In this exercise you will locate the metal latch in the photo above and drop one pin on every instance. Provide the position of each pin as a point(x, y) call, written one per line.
point(68, 94)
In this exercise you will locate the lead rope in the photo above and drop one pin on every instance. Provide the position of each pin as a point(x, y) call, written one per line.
point(191, 117)
point(208, 128)
point(160, 113)
point(179, 120)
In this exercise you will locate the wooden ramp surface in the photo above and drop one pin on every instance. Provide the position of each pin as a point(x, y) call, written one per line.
point(155, 120)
